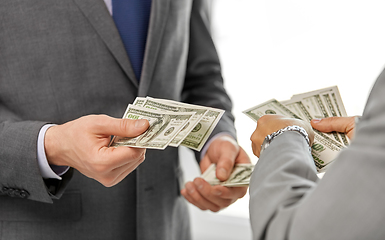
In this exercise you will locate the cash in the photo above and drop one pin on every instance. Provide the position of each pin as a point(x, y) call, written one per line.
point(239, 177)
point(172, 124)
point(320, 103)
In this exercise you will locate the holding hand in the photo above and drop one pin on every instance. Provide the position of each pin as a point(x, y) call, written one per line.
point(335, 124)
point(225, 152)
point(83, 145)
point(268, 124)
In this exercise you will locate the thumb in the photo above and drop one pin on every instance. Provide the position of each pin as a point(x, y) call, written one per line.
point(227, 154)
point(330, 124)
point(121, 127)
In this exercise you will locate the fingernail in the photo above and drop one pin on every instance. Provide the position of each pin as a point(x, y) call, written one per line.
point(198, 183)
point(316, 120)
point(222, 173)
point(140, 123)
point(190, 188)
point(217, 192)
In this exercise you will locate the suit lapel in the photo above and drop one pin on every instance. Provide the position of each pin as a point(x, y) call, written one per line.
point(97, 13)
point(158, 18)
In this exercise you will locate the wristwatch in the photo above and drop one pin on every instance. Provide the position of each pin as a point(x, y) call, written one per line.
point(266, 142)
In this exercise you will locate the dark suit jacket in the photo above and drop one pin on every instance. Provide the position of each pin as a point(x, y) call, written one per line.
point(62, 59)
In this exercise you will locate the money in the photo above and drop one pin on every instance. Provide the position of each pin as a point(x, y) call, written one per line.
point(239, 177)
point(163, 128)
point(201, 131)
point(175, 107)
point(321, 103)
point(172, 124)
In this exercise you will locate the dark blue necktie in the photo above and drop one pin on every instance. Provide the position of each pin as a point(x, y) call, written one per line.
point(131, 18)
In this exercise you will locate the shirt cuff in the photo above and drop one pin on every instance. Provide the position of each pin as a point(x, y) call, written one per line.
point(47, 170)
point(204, 150)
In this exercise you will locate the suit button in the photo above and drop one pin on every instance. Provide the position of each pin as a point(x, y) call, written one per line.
point(3, 191)
point(11, 192)
point(23, 194)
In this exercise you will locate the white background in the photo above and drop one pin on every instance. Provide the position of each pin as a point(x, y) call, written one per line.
point(277, 48)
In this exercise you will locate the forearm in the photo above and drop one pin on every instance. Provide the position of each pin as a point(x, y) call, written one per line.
point(18, 158)
point(287, 201)
point(284, 174)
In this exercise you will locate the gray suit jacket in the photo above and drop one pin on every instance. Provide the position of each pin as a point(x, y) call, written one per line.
point(288, 201)
point(62, 59)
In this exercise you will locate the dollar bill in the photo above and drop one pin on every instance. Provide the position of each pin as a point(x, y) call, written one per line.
point(239, 177)
point(324, 149)
point(139, 101)
point(312, 107)
point(164, 126)
point(321, 103)
point(202, 130)
point(170, 106)
point(193, 133)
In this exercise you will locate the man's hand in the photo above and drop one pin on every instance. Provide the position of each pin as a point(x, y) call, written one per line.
point(335, 124)
point(225, 152)
point(83, 145)
point(268, 124)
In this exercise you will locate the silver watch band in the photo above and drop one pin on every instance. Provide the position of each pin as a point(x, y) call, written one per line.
point(295, 128)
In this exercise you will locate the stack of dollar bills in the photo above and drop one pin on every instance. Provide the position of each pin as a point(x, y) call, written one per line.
point(172, 123)
point(321, 103)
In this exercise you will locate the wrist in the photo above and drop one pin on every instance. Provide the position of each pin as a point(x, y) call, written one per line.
point(45, 169)
point(51, 147)
point(269, 138)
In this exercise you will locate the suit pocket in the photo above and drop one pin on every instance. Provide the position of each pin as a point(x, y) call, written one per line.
point(68, 208)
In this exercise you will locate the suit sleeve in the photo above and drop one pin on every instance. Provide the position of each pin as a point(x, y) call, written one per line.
point(19, 171)
point(287, 201)
point(204, 82)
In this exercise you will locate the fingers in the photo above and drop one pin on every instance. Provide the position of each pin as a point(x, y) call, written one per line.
point(121, 155)
point(331, 124)
point(205, 163)
point(191, 193)
point(214, 198)
point(225, 165)
point(124, 171)
point(119, 127)
point(223, 151)
point(83, 145)
point(268, 124)
point(112, 158)
point(335, 124)
point(111, 169)
point(256, 142)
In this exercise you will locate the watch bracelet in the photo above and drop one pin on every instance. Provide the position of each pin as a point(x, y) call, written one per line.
point(269, 138)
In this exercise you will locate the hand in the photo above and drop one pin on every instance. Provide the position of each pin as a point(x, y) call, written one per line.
point(335, 124)
point(268, 124)
point(225, 152)
point(83, 145)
